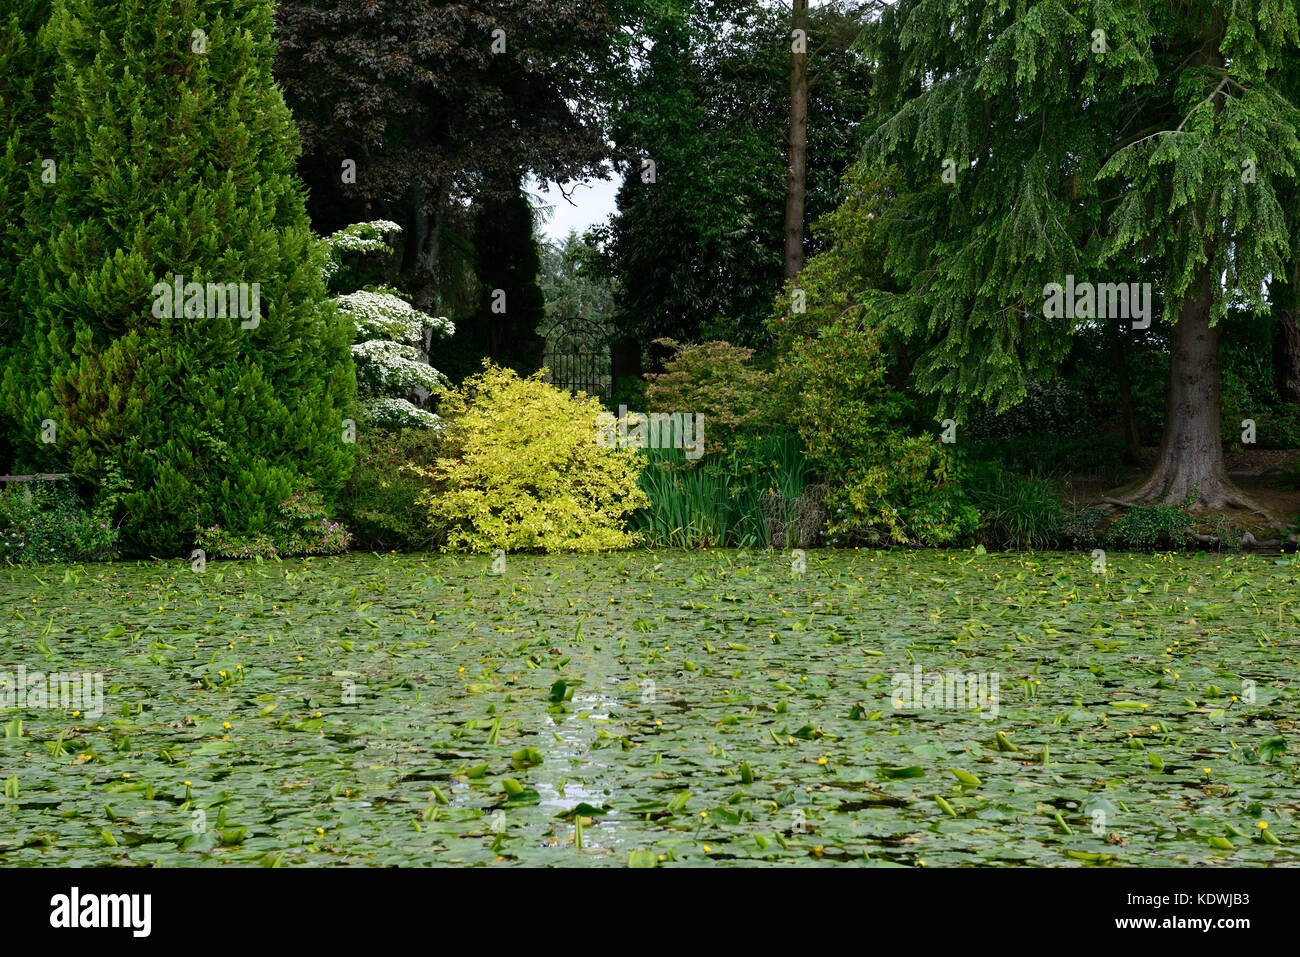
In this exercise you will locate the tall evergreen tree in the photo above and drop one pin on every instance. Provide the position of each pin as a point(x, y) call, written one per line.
point(1122, 142)
point(701, 129)
point(24, 95)
point(511, 306)
point(175, 157)
point(568, 282)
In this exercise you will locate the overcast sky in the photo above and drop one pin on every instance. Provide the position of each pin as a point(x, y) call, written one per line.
point(593, 201)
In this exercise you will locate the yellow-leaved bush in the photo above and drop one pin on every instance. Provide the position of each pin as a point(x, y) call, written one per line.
point(522, 469)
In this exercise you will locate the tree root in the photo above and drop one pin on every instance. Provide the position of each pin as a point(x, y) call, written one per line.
point(1151, 491)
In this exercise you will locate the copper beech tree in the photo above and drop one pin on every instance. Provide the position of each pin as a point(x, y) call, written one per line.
point(411, 109)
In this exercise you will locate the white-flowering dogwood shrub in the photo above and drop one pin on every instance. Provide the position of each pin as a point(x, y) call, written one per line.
point(359, 238)
point(390, 413)
point(384, 367)
point(390, 335)
point(380, 312)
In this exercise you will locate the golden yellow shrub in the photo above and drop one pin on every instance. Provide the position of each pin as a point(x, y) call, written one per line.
point(523, 470)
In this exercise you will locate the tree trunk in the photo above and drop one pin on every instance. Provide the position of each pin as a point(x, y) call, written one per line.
point(1190, 468)
point(420, 254)
point(1286, 356)
point(1119, 355)
point(796, 174)
point(1191, 449)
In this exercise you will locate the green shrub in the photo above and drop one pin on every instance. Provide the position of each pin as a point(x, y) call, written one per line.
point(47, 522)
point(381, 502)
point(302, 528)
point(1235, 405)
point(715, 379)
point(1055, 409)
point(1278, 428)
point(838, 282)
point(885, 484)
point(25, 70)
point(1052, 455)
point(523, 469)
point(1148, 373)
point(1082, 524)
point(916, 497)
point(1015, 511)
point(627, 391)
point(1246, 353)
point(1152, 526)
point(1228, 532)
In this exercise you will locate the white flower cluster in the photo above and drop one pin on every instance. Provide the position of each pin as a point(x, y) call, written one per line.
point(388, 363)
point(376, 313)
point(357, 238)
point(384, 366)
point(393, 413)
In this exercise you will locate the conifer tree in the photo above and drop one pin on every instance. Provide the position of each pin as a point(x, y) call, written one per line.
point(24, 92)
point(511, 305)
point(1121, 142)
point(175, 158)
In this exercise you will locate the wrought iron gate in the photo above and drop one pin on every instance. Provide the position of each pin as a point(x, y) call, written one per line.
point(578, 355)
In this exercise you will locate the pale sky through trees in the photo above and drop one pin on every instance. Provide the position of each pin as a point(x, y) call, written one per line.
point(593, 202)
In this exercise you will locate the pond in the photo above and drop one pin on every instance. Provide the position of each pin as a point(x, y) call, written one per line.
point(655, 708)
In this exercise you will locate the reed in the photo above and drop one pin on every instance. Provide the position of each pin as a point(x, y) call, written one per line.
point(746, 497)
